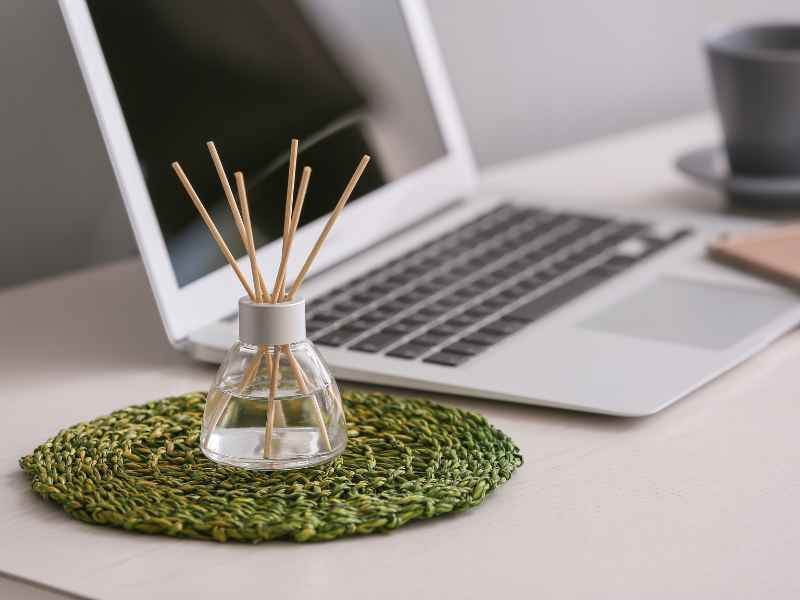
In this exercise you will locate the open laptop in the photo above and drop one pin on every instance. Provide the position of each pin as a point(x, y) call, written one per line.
point(421, 284)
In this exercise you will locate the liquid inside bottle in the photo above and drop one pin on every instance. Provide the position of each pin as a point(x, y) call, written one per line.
point(296, 422)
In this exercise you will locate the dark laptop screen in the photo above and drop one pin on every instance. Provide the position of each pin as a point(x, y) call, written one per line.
point(341, 76)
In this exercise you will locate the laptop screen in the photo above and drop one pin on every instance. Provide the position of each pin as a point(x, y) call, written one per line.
point(340, 76)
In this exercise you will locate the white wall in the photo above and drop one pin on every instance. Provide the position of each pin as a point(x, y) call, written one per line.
point(537, 74)
point(61, 209)
point(529, 74)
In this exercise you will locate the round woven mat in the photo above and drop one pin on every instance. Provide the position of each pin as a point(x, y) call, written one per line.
point(141, 469)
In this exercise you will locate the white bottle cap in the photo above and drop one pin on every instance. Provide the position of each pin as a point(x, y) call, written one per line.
point(272, 324)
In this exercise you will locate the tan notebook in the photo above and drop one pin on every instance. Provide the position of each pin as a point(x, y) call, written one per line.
point(773, 253)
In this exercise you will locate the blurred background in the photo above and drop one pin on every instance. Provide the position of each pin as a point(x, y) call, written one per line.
point(529, 75)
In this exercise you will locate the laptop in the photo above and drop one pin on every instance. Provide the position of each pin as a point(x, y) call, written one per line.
point(422, 284)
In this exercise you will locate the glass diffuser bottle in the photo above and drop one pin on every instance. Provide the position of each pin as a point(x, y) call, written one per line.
point(274, 404)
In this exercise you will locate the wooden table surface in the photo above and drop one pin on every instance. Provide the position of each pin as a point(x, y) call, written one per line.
point(697, 501)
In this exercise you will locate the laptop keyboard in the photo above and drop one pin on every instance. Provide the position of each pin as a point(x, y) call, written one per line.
point(456, 296)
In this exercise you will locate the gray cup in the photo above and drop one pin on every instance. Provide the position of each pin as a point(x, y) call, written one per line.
point(756, 75)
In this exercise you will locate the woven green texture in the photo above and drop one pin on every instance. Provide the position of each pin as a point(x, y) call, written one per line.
point(141, 469)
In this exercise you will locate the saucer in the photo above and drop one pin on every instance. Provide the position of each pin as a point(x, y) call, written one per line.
point(709, 166)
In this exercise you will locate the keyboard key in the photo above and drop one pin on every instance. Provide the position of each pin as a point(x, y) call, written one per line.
point(619, 263)
point(450, 301)
point(414, 270)
point(496, 253)
point(363, 298)
point(432, 311)
point(398, 280)
point(311, 306)
point(412, 297)
point(402, 327)
point(444, 280)
point(327, 316)
point(539, 307)
point(418, 318)
point(479, 311)
point(338, 337)
point(551, 272)
point(652, 245)
point(479, 262)
point(472, 290)
point(346, 308)
point(380, 289)
point(426, 289)
point(590, 223)
point(507, 298)
point(490, 280)
point(358, 325)
point(506, 272)
point(602, 271)
point(462, 270)
point(376, 342)
point(514, 267)
point(514, 293)
point(462, 320)
point(536, 255)
point(495, 302)
point(633, 248)
point(376, 316)
point(465, 348)
point(447, 359)
point(437, 309)
point(337, 291)
point(408, 351)
point(504, 326)
point(433, 262)
point(429, 339)
point(483, 338)
point(316, 325)
point(393, 306)
point(531, 282)
point(446, 329)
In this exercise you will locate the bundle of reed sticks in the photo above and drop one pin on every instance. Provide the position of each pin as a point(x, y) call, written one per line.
point(259, 291)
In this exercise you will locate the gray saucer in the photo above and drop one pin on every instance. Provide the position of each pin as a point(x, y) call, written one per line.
point(709, 166)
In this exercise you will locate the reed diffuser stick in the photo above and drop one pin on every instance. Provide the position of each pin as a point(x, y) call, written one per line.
point(296, 212)
point(273, 389)
point(327, 229)
point(287, 220)
point(301, 377)
point(213, 229)
point(226, 187)
point(258, 278)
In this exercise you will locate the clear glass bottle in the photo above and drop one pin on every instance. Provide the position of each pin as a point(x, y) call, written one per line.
point(274, 404)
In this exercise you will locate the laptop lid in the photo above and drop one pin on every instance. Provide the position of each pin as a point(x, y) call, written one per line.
point(347, 78)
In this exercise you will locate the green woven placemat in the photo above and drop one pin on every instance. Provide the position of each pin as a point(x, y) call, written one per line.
point(141, 469)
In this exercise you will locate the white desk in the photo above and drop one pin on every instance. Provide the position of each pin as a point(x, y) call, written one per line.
point(698, 501)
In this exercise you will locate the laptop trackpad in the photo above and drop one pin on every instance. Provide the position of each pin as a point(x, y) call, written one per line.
point(695, 314)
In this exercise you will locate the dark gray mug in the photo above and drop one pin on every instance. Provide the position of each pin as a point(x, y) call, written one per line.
point(756, 75)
